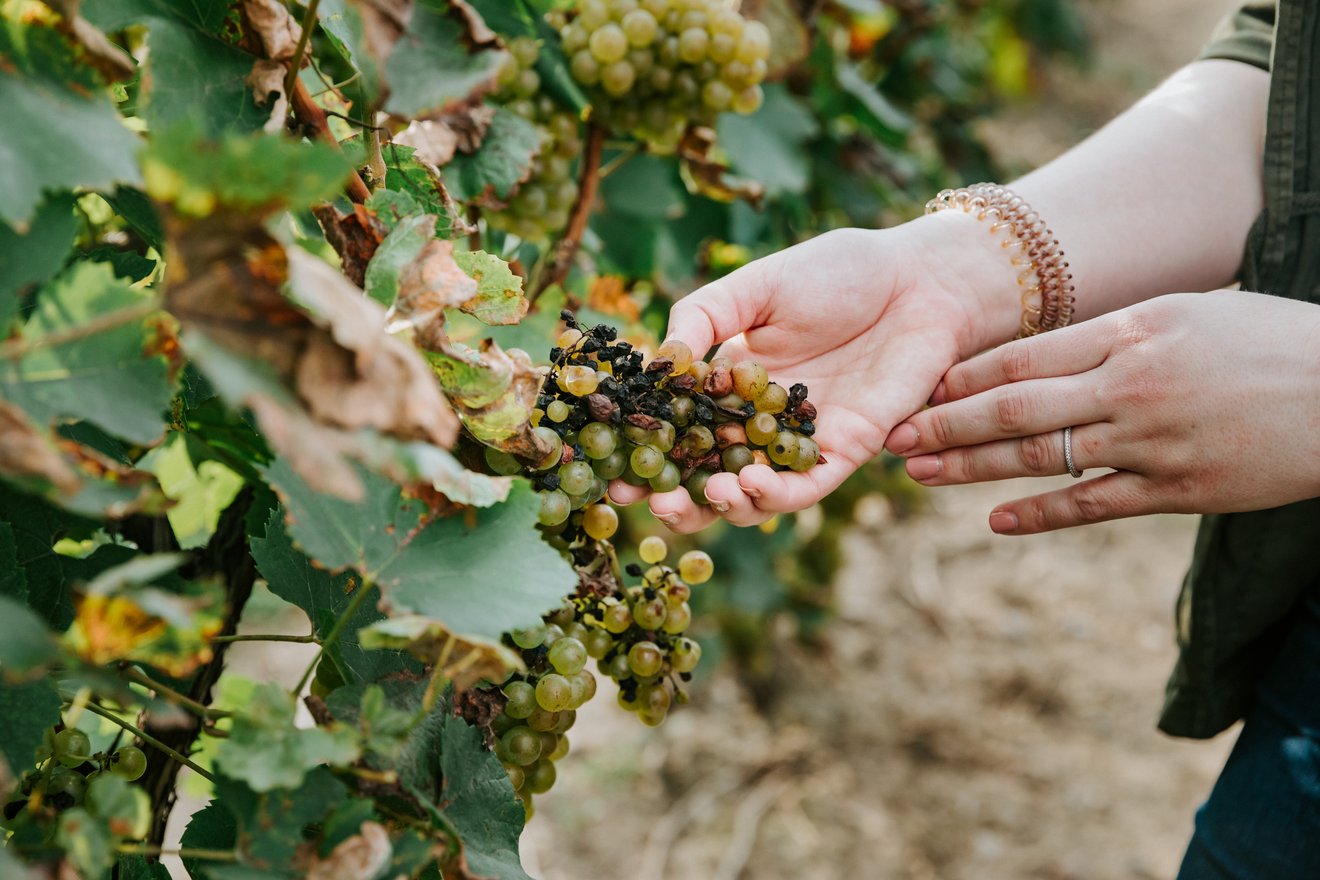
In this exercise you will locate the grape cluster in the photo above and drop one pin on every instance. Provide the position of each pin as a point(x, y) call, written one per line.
point(673, 422)
point(542, 204)
point(656, 65)
point(67, 765)
point(635, 635)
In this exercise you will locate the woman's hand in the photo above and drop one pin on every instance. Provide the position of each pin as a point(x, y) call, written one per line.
point(869, 320)
point(1202, 403)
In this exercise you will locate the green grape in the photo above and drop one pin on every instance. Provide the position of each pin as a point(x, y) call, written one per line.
point(645, 658)
point(697, 441)
point(652, 549)
point(600, 521)
point(692, 44)
point(564, 616)
point(530, 637)
point(647, 461)
point(773, 400)
point(553, 692)
point(62, 781)
point(575, 478)
point(540, 720)
point(617, 667)
point(608, 43)
point(650, 614)
point(735, 458)
point(620, 8)
point(784, 449)
point(553, 633)
point(617, 78)
point(557, 411)
point(593, 13)
point(577, 502)
point(527, 84)
point(578, 380)
point(695, 567)
point(548, 437)
point(502, 463)
point(584, 686)
point(597, 440)
point(521, 699)
point(636, 434)
point(598, 489)
point(617, 618)
point(685, 655)
point(716, 95)
point(72, 747)
point(555, 508)
point(678, 618)
point(540, 778)
point(628, 702)
point(522, 745)
point(564, 721)
point(684, 411)
point(662, 438)
point(722, 48)
point(754, 44)
point(725, 21)
point(503, 723)
point(696, 486)
point(654, 699)
point(567, 656)
point(576, 630)
point(678, 352)
point(573, 37)
point(747, 101)
point(598, 643)
point(129, 763)
point(808, 455)
point(584, 67)
point(612, 466)
point(677, 593)
point(669, 478)
point(761, 429)
point(749, 379)
point(561, 748)
point(524, 51)
point(650, 719)
point(640, 27)
point(516, 775)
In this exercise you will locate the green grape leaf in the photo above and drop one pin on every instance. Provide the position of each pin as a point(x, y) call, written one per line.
point(270, 823)
point(470, 660)
point(83, 357)
point(425, 565)
point(27, 711)
point(13, 578)
point(399, 249)
point(267, 751)
point(31, 258)
point(63, 131)
point(123, 806)
point(26, 646)
point(325, 597)
point(438, 61)
point(36, 527)
point(645, 187)
point(213, 827)
point(392, 208)
point(476, 796)
point(494, 392)
point(503, 162)
point(193, 72)
point(408, 175)
point(499, 298)
point(139, 213)
point(87, 842)
point(200, 489)
point(888, 123)
point(138, 868)
point(768, 146)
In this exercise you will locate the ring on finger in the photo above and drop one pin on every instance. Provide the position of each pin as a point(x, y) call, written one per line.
point(1068, 455)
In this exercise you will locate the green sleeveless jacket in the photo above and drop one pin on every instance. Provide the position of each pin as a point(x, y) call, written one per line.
point(1250, 570)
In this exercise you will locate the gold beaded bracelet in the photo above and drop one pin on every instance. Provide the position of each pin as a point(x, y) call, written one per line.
point(1047, 288)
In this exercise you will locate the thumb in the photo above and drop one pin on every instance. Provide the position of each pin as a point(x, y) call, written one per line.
point(724, 308)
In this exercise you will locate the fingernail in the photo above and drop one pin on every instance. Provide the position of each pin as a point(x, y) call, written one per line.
point(719, 506)
point(668, 519)
point(901, 439)
point(923, 467)
point(751, 493)
point(1002, 521)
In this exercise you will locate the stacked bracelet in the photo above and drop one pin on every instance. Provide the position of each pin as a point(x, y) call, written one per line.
point(1047, 288)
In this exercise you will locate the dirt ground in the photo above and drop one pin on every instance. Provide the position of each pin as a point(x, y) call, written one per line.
point(987, 706)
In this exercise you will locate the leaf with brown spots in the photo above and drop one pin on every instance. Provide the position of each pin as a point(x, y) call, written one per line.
point(355, 236)
point(709, 177)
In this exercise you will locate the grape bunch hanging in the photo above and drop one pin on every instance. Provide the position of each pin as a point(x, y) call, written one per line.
point(542, 203)
point(654, 66)
point(68, 775)
point(635, 634)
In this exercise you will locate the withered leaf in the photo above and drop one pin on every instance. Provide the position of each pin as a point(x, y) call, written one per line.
point(26, 450)
point(705, 175)
point(436, 140)
point(274, 26)
point(355, 237)
point(363, 855)
point(267, 83)
point(113, 62)
point(464, 660)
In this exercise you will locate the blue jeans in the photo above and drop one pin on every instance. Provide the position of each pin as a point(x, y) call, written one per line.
point(1262, 820)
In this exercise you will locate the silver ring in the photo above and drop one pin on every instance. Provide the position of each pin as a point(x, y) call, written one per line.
point(1067, 454)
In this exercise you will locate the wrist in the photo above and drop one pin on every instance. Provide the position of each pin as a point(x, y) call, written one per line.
point(961, 257)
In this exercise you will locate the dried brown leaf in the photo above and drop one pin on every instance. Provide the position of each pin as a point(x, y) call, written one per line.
point(113, 62)
point(427, 286)
point(274, 26)
point(436, 140)
point(266, 80)
point(354, 236)
point(360, 857)
point(26, 450)
point(709, 177)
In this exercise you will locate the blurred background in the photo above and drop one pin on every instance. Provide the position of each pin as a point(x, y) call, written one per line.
point(888, 690)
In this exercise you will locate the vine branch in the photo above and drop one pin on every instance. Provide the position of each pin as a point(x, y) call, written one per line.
point(310, 115)
point(308, 22)
point(588, 182)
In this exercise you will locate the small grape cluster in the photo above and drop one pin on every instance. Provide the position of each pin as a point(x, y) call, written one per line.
point(673, 422)
point(542, 204)
point(657, 65)
point(66, 767)
point(635, 635)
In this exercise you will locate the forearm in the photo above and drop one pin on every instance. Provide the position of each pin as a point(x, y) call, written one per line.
point(1158, 201)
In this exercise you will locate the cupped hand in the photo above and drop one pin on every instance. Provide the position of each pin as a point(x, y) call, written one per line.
point(868, 320)
point(1201, 403)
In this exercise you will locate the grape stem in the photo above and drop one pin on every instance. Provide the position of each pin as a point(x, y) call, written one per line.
point(336, 631)
point(268, 637)
point(183, 852)
point(588, 181)
point(150, 740)
point(169, 694)
point(304, 34)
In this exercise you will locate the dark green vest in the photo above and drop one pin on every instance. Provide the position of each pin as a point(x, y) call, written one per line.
point(1251, 569)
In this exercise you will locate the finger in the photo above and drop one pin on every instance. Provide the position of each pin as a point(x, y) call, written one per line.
point(625, 493)
point(680, 513)
point(1063, 352)
point(1112, 496)
point(729, 500)
point(1018, 410)
point(786, 491)
point(1036, 455)
point(722, 309)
